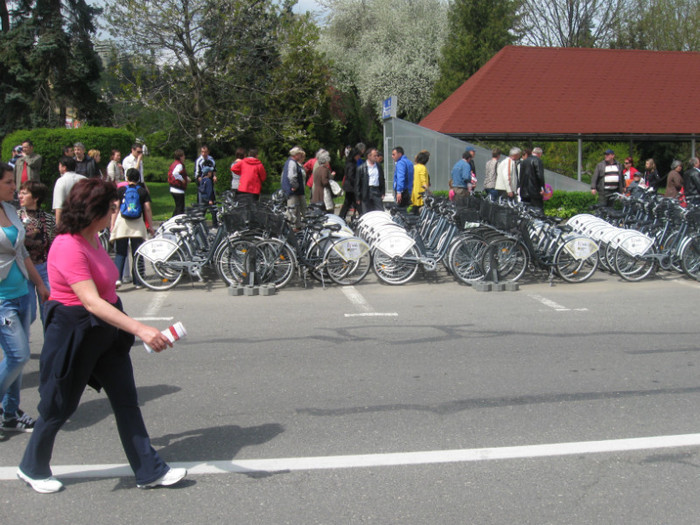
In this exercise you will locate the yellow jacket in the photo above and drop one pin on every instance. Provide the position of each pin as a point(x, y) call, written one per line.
point(421, 180)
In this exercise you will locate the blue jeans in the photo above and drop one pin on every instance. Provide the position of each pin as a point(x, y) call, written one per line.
point(31, 299)
point(14, 340)
point(493, 194)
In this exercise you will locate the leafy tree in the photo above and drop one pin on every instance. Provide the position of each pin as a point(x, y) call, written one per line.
point(226, 71)
point(571, 23)
point(478, 29)
point(661, 25)
point(381, 48)
point(46, 49)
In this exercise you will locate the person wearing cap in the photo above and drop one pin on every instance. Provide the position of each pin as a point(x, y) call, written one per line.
point(205, 160)
point(607, 178)
point(28, 166)
point(637, 182)
point(674, 181)
point(294, 184)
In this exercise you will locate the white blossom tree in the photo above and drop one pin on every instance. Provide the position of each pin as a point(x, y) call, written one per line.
point(382, 48)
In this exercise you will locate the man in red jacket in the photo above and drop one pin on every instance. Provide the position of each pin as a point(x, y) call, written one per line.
point(252, 174)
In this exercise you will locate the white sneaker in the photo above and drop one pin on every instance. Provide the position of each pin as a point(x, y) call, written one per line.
point(117, 284)
point(42, 486)
point(172, 476)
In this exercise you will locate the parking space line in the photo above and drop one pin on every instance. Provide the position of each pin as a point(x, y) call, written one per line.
point(385, 460)
point(361, 304)
point(691, 284)
point(555, 306)
point(156, 304)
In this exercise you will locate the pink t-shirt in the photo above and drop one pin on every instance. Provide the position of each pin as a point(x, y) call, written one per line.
point(71, 260)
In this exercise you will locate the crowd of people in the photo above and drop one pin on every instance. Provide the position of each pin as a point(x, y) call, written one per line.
point(610, 178)
point(55, 268)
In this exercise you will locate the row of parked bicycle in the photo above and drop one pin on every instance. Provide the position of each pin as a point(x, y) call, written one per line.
point(255, 244)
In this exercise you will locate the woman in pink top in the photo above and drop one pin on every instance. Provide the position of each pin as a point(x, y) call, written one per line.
point(87, 341)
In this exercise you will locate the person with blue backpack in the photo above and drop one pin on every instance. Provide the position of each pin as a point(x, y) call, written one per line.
point(207, 196)
point(129, 222)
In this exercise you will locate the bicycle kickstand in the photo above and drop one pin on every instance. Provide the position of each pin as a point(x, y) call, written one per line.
point(551, 277)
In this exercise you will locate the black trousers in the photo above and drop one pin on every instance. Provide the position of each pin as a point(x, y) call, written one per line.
point(349, 203)
point(64, 373)
point(179, 199)
point(373, 202)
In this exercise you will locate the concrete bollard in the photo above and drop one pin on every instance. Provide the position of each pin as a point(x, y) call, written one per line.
point(268, 289)
point(235, 290)
point(251, 290)
point(482, 286)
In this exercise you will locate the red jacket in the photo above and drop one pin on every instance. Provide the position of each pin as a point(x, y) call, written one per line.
point(252, 175)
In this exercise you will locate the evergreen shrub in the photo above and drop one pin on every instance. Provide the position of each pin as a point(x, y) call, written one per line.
point(49, 143)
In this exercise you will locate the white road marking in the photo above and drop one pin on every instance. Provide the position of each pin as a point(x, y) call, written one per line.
point(356, 298)
point(142, 319)
point(555, 306)
point(156, 303)
point(361, 304)
point(691, 284)
point(384, 460)
point(373, 314)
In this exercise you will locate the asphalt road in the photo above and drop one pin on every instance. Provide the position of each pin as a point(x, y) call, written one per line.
point(310, 406)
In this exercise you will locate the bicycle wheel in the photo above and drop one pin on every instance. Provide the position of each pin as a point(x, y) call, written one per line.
point(395, 270)
point(465, 259)
point(160, 275)
point(573, 269)
point(315, 258)
point(274, 262)
point(690, 257)
point(634, 268)
point(230, 260)
point(347, 261)
point(670, 247)
point(511, 256)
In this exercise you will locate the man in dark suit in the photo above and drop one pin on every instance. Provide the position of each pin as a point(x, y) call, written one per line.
point(532, 178)
point(370, 184)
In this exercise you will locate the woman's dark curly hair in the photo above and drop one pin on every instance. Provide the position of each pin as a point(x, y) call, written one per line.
point(89, 200)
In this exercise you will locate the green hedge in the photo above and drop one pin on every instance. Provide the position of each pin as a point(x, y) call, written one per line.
point(566, 204)
point(49, 143)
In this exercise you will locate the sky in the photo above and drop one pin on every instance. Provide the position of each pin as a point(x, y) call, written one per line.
point(307, 5)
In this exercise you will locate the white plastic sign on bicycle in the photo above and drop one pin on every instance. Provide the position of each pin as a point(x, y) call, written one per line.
point(157, 250)
point(351, 249)
point(395, 244)
point(581, 248)
point(636, 245)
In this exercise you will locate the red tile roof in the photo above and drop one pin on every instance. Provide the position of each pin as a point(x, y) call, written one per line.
point(570, 91)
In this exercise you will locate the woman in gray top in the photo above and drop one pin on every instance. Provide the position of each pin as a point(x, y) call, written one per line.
point(15, 267)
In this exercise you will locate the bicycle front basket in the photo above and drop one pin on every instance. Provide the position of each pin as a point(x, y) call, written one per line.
point(465, 215)
point(504, 218)
point(235, 220)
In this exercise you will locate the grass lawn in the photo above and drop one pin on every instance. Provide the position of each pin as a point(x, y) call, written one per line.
point(163, 204)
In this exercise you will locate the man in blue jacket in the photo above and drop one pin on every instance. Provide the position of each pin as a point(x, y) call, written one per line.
point(403, 177)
